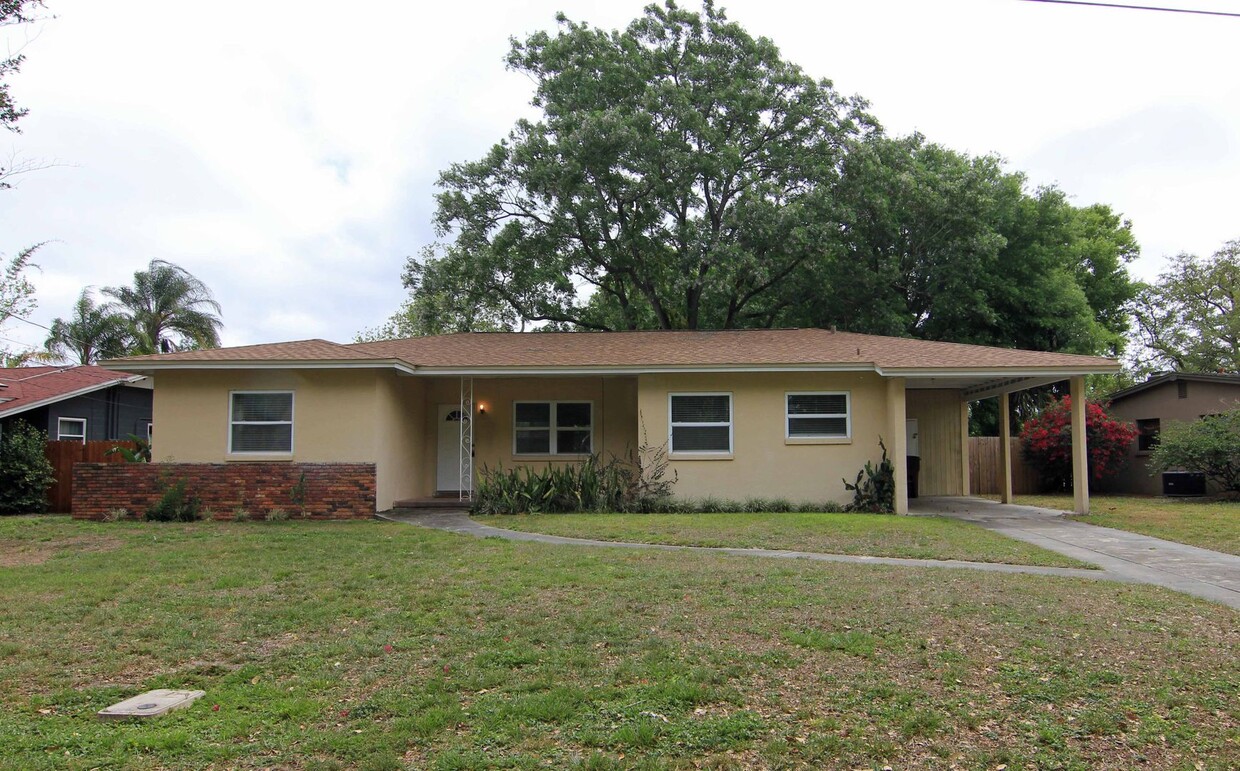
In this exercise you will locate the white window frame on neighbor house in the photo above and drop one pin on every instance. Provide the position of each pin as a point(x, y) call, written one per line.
point(64, 436)
point(817, 438)
point(552, 428)
point(673, 425)
point(292, 407)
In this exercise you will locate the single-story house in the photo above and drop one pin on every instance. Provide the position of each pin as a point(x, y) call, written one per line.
point(743, 413)
point(1163, 399)
point(77, 403)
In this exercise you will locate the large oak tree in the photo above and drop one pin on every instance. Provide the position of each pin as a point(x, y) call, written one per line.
point(684, 175)
point(680, 172)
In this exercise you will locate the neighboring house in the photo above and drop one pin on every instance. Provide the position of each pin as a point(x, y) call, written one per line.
point(757, 413)
point(76, 403)
point(1151, 405)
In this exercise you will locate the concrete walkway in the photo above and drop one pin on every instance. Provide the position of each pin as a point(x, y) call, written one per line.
point(1122, 555)
point(1125, 557)
point(459, 521)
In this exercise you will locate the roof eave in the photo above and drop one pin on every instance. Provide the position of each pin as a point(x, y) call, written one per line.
point(153, 366)
point(70, 395)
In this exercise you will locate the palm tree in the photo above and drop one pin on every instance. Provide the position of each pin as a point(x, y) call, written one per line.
point(94, 332)
point(168, 309)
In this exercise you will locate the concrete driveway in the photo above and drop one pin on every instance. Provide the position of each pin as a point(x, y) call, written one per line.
point(1125, 556)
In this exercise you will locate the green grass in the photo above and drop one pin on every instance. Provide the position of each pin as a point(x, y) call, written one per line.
point(1210, 525)
point(521, 655)
point(876, 535)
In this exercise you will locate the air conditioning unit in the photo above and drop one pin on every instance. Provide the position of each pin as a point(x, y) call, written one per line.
point(1183, 483)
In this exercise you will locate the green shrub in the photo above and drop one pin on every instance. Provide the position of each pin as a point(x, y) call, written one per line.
point(140, 453)
point(632, 484)
point(297, 494)
point(874, 490)
point(241, 514)
point(25, 471)
point(1210, 445)
point(175, 505)
point(277, 515)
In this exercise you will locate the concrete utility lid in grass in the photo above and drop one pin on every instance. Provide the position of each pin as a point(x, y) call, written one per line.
point(150, 704)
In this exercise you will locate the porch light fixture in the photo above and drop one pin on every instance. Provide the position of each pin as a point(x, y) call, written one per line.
point(482, 408)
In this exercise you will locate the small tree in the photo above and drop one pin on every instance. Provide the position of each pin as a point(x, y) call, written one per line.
point(1047, 442)
point(25, 471)
point(1210, 445)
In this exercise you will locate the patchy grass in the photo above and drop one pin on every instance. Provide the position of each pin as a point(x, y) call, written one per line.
point(378, 645)
point(876, 535)
point(1210, 525)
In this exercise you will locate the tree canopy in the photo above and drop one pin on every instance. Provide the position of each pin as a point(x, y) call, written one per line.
point(683, 174)
point(92, 333)
point(167, 309)
point(1188, 319)
point(681, 171)
point(13, 12)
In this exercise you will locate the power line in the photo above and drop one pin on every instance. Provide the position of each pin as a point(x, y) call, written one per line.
point(1123, 6)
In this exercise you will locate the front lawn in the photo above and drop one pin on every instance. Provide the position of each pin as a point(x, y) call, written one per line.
point(876, 535)
point(1210, 525)
point(379, 646)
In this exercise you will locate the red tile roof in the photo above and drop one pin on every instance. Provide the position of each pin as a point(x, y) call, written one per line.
point(637, 350)
point(23, 388)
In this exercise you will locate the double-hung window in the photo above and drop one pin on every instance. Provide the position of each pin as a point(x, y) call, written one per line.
point(1147, 433)
point(71, 429)
point(552, 428)
point(260, 422)
point(817, 415)
point(701, 423)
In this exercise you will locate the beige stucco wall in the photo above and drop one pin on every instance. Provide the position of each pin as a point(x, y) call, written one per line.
point(763, 463)
point(940, 440)
point(1163, 402)
point(348, 415)
point(380, 417)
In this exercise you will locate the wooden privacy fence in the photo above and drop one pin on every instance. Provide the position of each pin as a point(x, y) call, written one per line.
point(984, 468)
point(63, 454)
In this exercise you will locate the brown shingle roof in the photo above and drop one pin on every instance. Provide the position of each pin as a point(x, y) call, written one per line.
point(296, 350)
point(741, 348)
point(654, 349)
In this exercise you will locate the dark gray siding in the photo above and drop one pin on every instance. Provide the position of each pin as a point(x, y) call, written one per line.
point(112, 413)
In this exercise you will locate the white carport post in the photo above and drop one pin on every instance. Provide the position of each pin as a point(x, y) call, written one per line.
point(897, 440)
point(1080, 452)
point(965, 488)
point(1005, 449)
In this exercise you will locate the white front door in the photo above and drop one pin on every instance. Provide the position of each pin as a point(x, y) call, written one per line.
point(448, 470)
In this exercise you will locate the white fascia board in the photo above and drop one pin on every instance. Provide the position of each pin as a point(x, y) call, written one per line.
point(996, 372)
point(651, 370)
point(153, 367)
point(62, 397)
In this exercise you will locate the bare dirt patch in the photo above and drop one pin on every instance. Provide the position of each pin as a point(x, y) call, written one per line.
point(16, 552)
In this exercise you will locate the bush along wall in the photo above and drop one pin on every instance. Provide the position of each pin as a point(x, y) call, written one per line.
point(222, 490)
point(25, 471)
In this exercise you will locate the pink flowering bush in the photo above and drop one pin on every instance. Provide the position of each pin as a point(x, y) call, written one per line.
point(1047, 442)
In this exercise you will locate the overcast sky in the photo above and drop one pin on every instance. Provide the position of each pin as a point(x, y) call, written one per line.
point(285, 151)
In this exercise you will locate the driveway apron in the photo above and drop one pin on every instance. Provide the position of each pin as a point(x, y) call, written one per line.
point(1123, 555)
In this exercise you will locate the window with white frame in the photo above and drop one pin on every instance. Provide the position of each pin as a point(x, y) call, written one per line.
point(817, 415)
point(552, 428)
point(260, 422)
point(700, 423)
point(71, 429)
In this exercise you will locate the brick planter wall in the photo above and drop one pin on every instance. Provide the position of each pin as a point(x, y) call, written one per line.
point(333, 490)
